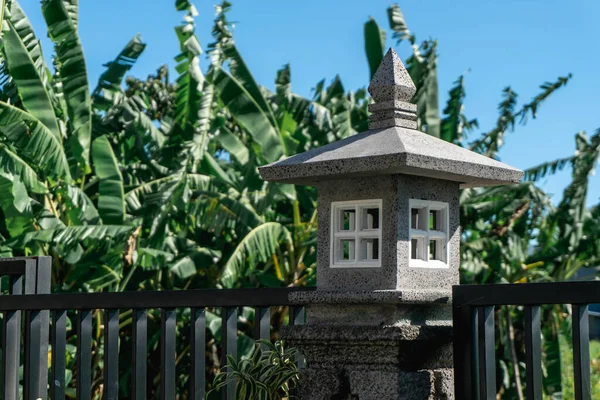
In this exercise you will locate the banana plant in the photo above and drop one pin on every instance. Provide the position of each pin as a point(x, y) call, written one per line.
point(45, 152)
point(153, 183)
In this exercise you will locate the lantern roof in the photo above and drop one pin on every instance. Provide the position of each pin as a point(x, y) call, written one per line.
point(392, 145)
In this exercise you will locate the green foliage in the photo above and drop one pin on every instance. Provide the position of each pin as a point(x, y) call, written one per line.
point(269, 372)
point(72, 77)
point(152, 184)
point(111, 205)
point(374, 45)
point(566, 368)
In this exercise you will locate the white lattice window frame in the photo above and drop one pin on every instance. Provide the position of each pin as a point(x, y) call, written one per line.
point(424, 235)
point(357, 233)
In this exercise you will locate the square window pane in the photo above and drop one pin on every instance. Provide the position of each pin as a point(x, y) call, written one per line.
point(432, 249)
point(436, 250)
point(435, 220)
point(347, 220)
point(414, 218)
point(346, 250)
point(369, 249)
point(417, 249)
point(419, 218)
point(370, 218)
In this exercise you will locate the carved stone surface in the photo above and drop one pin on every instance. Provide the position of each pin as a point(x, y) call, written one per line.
point(404, 296)
point(391, 80)
point(394, 273)
point(401, 362)
point(388, 151)
point(347, 384)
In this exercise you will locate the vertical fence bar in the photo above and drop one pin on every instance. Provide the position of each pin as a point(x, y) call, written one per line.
point(111, 355)
point(140, 349)
point(10, 350)
point(43, 286)
point(32, 374)
point(197, 353)
point(262, 323)
point(11, 345)
point(533, 353)
point(229, 345)
point(168, 354)
point(59, 349)
point(463, 338)
point(581, 352)
point(35, 376)
point(84, 355)
point(486, 353)
point(31, 367)
point(30, 276)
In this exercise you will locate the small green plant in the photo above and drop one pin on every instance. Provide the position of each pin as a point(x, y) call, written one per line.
point(269, 372)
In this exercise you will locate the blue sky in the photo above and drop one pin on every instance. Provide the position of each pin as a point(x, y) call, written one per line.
point(520, 43)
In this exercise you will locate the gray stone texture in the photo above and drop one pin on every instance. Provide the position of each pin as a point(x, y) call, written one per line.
point(383, 277)
point(373, 362)
point(396, 119)
point(391, 80)
point(411, 187)
point(388, 151)
point(344, 384)
point(405, 296)
point(379, 315)
point(377, 307)
point(394, 273)
point(392, 89)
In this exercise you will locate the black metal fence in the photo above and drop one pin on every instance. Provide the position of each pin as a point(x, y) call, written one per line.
point(474, 342)
point(29, 295)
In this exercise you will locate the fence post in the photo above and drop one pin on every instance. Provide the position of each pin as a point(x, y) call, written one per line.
point(462, 338)
point(28, 275)
point(37, 328)
point(11, 328)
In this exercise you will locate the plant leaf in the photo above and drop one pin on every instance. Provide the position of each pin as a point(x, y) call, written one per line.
point(70, 64)
point(110, 81)
point(249, 115)
point(374, 45)
point(34, 141)
point(257, 246)
point(70, 235)
point(25, 61)
point(111, 203)
point(12, 163)
point(233, 145)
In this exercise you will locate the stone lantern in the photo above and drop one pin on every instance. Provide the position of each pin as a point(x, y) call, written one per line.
point(379, 323)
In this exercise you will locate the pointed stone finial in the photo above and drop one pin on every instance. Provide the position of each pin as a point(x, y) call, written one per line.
point(392, 89)
point(391, 80)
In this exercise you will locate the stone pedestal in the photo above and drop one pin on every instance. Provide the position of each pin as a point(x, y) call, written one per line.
point(380, 345)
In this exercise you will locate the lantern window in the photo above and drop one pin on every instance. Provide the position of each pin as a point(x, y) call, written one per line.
point(428, 234)
point(356, 234)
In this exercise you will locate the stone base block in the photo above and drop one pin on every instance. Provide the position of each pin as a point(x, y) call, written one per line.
point(374, 362)
point(348, 384)
point(376, 307)
point(379, 314)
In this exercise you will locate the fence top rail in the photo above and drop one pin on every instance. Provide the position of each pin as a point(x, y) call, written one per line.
point(263, 297)
point(526, 294)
